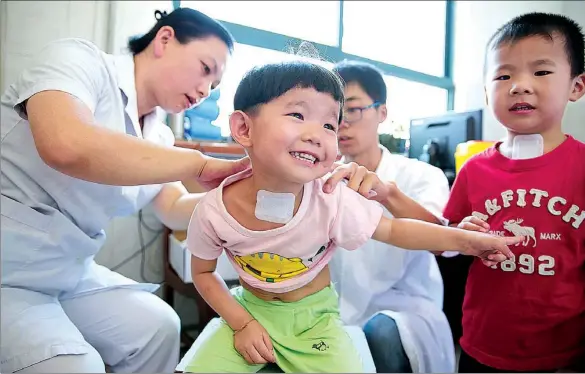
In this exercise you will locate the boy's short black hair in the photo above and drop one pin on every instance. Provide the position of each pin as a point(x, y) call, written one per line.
point(547, 25)
point(366, 75)
point(265, 83)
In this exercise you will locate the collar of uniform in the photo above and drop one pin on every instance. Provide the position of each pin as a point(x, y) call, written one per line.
point(126, 81)
point(385, 156)
point(385, 159)
point(154, 129)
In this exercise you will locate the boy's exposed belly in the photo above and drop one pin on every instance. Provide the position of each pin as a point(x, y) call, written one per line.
point(321, 281)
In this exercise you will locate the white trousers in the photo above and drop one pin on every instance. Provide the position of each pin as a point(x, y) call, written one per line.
point(129, 330)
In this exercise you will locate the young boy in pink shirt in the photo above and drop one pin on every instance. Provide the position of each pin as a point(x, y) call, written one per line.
point(534, 67)
point(286, 116)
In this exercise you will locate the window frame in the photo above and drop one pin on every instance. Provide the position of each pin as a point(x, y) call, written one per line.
point(279, 42)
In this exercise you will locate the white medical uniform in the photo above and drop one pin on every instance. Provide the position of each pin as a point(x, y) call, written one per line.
point(55, 299)
point(405, 285)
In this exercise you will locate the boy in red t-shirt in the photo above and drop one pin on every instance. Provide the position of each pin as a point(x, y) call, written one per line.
point(534, 67)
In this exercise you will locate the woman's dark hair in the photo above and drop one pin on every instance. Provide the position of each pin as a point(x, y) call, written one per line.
point(188, 24)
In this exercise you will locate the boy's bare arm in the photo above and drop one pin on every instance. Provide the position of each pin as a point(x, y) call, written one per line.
point(215, 292)
point(415, 235)
point(251, 340)
point(418, 235)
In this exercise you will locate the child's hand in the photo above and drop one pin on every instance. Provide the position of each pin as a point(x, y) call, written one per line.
point(472, 223)
point(361, 180)
point(491, 249)
point(253, 343)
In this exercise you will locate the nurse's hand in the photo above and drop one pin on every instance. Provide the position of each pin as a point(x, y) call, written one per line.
point(361, 180)
point(215, 170)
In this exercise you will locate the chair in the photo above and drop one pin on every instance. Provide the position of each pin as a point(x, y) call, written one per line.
point(355, 332)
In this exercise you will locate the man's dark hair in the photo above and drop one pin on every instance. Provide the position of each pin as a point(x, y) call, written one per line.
point(366, 75)
point(549, 26)
point(189, 24)
point(265, 83)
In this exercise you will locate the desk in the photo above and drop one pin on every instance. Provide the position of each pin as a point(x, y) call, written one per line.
point(172, 281)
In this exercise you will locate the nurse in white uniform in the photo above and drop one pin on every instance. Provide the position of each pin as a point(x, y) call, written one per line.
point(396, 295)
point(81, 144)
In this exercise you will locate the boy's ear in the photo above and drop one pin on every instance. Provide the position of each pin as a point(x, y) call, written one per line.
point(382, 113)
point(240, 128)
point(578, 88)
point(485, 96)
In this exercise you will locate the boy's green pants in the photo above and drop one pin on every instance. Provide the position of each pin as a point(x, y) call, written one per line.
point(307, 336)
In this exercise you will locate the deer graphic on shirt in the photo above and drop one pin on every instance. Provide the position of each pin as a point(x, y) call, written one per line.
point(514, 227)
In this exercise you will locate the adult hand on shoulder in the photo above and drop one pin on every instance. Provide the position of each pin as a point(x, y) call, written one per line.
point(215, 170)
point(253, 343)
point(361, 180)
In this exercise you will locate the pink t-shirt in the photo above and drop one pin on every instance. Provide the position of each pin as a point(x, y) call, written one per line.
point(289, 257)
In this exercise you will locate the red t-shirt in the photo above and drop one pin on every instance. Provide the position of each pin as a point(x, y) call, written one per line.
point(528, 315)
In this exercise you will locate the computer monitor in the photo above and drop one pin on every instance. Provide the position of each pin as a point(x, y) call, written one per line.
point(435, 139)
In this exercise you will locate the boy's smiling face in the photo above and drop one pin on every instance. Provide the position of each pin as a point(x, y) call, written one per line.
point(528, 84)
point(293, 137)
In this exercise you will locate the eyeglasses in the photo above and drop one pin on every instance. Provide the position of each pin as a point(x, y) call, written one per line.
point(351, 115)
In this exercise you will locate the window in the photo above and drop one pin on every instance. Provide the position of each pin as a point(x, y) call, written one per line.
point(407, 100)
point(245, 57)
point(315, 21)
point(410, 34)
point(408, 41)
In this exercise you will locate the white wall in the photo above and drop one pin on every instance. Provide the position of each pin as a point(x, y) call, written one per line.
point(28, 25)
point(574, 121)
point(129, 18)
point(476, 21)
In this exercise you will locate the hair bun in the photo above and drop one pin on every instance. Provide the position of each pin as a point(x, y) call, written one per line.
point(160, 15)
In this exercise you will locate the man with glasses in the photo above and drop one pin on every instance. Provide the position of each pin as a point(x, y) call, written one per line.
point(396, 295)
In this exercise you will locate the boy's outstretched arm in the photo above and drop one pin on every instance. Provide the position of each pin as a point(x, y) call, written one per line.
point(215, 292)
point(418, 235)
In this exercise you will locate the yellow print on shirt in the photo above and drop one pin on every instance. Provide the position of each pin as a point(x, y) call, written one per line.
point(270, 267)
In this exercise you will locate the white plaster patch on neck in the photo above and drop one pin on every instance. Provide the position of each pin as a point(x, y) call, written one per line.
point(527, 146)
point(274, 207)
point(524, 147)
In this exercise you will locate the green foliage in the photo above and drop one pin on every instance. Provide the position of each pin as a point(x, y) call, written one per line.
point(394, 145)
